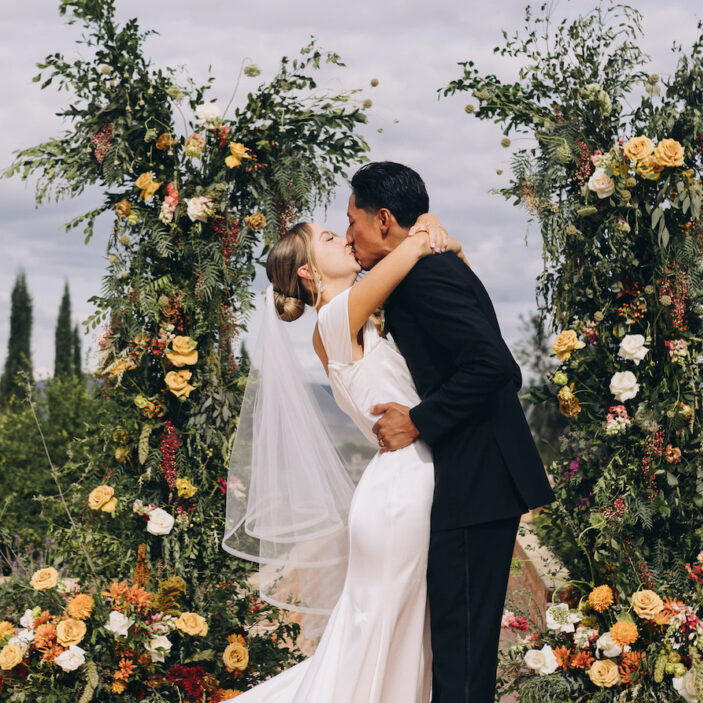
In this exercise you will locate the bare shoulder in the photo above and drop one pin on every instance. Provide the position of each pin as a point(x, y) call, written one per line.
point(319, 347)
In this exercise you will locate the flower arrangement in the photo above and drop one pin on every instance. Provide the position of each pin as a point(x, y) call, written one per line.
point(612, 175)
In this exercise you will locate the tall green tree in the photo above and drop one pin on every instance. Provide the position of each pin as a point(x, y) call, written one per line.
point(18, 362)
point(63, 337)
point(76, 349)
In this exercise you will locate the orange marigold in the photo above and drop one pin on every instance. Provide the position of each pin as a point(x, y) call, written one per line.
point(44, 635)
point(125, 670)
point(581, 660)
point(629, 664)
point(44, 617)
point(562, 655)
point(237, 638)
point(80, 607)
point(671, 607)
point(601, 598)
point(118, 687)
point(224, 694)
point(624, 632)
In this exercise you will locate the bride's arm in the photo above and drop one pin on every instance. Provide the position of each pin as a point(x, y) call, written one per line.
point(373, 289)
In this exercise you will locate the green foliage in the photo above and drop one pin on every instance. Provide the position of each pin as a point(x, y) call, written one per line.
point(63, 337)
point(622, 248)
point(18, 362)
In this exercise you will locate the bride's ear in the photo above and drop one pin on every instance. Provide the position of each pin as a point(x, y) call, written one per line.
point(304, 273)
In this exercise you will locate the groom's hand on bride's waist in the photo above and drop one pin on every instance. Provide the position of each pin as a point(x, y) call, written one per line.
point(394, 429)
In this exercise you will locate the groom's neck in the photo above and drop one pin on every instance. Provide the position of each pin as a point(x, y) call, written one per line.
point(394, 237)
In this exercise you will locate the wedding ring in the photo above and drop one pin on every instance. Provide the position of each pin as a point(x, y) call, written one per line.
point(381, 443)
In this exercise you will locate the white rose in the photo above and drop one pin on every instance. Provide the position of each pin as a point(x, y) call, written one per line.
point(199, 208)
point(156, 643)
point(686, 686)
point(71, 659)
point(601, 183)
point(624, 386)
point(208, 113)
point(542, 660)
point(559, 618)
point(22, 639)
point(608, 645)
point(118, 623)
point(160, 522)
point(632, 347)
point(27, 620)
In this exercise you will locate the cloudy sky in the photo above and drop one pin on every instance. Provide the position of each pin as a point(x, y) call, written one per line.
point(411, 47)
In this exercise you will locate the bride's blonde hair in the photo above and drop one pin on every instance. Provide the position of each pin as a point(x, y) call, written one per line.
point(292, 293)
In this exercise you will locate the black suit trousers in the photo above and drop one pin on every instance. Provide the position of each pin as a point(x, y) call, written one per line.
point(467, 578)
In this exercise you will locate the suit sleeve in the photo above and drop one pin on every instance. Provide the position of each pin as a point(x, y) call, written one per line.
point(442, 305)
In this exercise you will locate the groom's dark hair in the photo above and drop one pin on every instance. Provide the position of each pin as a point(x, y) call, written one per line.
point(392, 186)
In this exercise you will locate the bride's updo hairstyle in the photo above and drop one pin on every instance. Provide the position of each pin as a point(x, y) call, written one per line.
point(287, 255)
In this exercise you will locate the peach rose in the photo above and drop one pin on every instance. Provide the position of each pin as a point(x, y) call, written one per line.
point(10, 656)
point(183, 351)
point(604, 672)
point(192, 624)
point(164, 141)
point(638, 148)
point(647, 604)
point(256, 221)
point(100, 498)
point(70, 632)
point(669, 153)
point(45, 578)
point(565, 343)
point(177, 382)
point(123, 208)
point(236, 657)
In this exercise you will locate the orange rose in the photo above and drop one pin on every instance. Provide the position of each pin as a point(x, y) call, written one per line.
point(256, 221)
point(164, 141)
point(123, 208)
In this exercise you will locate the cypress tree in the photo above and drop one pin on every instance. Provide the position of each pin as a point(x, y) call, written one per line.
point(77, 352)
point(19, 354)
point(63, 338)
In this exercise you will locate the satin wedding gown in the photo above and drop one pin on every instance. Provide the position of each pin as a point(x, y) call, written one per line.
point(376, 645)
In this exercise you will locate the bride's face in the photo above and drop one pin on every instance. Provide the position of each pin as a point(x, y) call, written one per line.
point(335, 258)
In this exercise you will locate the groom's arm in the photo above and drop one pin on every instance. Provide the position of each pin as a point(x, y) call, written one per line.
point(437, 294)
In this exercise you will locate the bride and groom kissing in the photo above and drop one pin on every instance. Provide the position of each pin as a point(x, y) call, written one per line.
point(431, 525)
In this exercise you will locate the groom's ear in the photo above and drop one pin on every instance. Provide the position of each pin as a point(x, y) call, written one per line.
point(385, 220)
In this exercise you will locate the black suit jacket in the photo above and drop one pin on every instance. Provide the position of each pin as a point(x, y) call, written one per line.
point(486, 463)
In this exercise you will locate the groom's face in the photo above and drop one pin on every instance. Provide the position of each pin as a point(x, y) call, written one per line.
point(365, 235)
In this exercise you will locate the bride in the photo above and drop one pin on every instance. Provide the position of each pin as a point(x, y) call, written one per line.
point(375, 647)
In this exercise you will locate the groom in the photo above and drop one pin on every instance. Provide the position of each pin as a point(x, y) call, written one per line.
point(487, 468)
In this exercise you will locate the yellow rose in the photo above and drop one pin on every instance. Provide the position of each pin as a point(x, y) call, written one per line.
point(237, 152)
point(565, 343)
point(177, 382)
point(45, 578)
point(236, 656)
point(256, 221)
point(70, 632)
point(624, 632)
point(7, 629)
point(183, 351)
point(100, 496)
point(601, 598)
point(147, 185)
point(185, 488)
point(121, 455)
point(123, 208)
point(192, 624)
point(80, 607)
point(649, 168)
point(647, 604)
point(669, 153)
point(638, 148)
point(10, 656)
point(604, 672)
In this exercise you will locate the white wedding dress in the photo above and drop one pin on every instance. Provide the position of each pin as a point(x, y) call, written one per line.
point(376, 645)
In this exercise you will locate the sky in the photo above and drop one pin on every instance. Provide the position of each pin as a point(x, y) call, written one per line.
point(411, 47)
